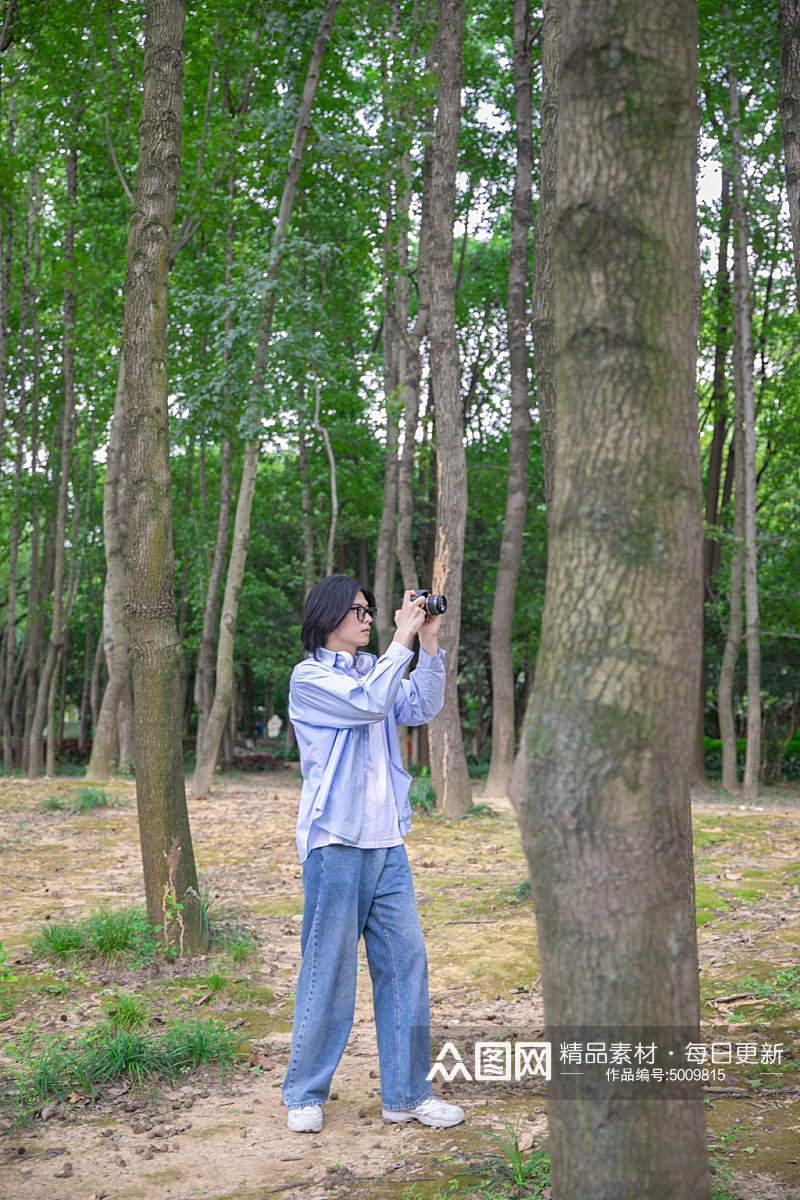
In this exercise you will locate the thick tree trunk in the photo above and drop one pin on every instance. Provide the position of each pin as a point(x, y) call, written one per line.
point(170, 878)
point(609, 733)
point(744, 387)
point(448, 761)
point(543, 300)
point(503, 727)
point(208, 750)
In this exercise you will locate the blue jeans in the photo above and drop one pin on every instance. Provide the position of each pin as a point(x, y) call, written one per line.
point(349, 892)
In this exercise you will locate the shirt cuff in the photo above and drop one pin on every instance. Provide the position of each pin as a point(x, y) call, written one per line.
point(426, 659)
point(397, 650)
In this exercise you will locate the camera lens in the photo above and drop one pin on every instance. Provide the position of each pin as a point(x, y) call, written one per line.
point(435, 605)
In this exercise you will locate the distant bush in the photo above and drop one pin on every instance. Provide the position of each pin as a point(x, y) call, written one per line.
point(254, 761)
point(789, 763)
point(70, 752)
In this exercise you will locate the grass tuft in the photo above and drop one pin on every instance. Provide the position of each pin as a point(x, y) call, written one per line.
point(89, 798)
point(53, 1068)
point(107, 933)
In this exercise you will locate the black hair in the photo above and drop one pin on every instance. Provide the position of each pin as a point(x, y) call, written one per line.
point(327, 606)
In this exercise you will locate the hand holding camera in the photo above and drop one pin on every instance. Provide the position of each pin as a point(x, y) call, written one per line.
point(420, 613)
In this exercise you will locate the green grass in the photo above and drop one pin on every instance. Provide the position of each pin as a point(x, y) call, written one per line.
point(107, 933)
point(422, 796)
point(126, 1010)
point(782, 990)
point(481, 810)
point(505, 1170)
point(51, 804)
point(90, 798)
point(53, 1068)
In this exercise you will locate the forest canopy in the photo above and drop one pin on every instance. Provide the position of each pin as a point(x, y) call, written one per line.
point(340, 419)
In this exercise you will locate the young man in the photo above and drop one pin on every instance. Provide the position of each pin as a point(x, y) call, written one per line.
point(354, 812)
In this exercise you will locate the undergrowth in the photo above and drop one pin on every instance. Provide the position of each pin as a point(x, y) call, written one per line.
point(55, 1068)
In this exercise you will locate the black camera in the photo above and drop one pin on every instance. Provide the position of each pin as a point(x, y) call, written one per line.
point(434, 605)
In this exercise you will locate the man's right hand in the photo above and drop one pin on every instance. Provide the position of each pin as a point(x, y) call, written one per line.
point(409, 619)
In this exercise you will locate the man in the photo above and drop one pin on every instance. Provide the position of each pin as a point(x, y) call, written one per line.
point(345, 706)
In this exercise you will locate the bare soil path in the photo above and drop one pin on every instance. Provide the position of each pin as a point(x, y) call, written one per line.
point(208, 1139)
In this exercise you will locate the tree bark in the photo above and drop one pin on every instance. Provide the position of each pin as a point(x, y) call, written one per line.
point(204, 675)
point(719, 390)
point(610, 729)
point(733, 638)
point(10, 640)
point(543, 299)
point(207, 750)
point(744, 387)
point(448, 760)
point(386, 542)
point(114, 633)
point(170, 878)
point(510, 558)
point(411, 382)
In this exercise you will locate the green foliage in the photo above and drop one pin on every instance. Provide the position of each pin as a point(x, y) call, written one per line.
point(90, 798)
point(480, 810)
point(422, 795)
point(7, 977)
point(126, 1010)
point(52, 1068)
point(506, 1171)
point(782, 990)
point(109, 934)
point(51, 804)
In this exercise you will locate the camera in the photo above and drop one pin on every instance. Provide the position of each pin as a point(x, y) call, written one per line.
point(434, 605)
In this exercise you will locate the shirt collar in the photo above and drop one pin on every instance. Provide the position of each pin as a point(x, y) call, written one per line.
point(343, 660)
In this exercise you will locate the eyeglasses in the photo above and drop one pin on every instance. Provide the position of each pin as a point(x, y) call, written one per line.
point(363, 612)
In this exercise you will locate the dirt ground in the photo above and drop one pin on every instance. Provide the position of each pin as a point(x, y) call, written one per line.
point(227, 1140)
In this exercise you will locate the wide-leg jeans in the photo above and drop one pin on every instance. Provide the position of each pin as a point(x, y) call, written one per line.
point(350, 892)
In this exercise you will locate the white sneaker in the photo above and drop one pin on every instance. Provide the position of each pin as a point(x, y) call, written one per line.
point(305, 1120)
point(432, 1111)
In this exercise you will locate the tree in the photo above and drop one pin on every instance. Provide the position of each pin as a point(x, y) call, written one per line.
point(790, 118)
point(503, 724)
point(448, 761)
point(745, 415)
point(170, 878)
point(542, 316)
point(208, 748)
point(609, 732)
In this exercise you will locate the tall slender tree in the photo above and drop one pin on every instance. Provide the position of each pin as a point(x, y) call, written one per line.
point(448, 761)
point(745, 410)
point(610, 729)
point(208, 748)
point(503, 723)
point(170, 876)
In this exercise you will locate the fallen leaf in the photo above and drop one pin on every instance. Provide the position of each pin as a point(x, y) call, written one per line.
point(259, 1059)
